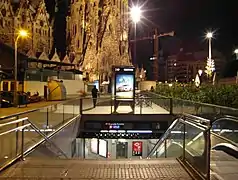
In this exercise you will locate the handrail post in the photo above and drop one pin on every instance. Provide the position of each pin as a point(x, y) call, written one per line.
point(111, 104)
point(47, 118)
point(81, 106)
point(165, 148)
point(63, 112)
point(208, 152)
point(22, 142)
point(73, 109)
point(17, 138)
point(171, 105)
point(140, 105)
point(184, 138)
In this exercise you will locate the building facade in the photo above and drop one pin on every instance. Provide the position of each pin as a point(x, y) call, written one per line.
point(97, 35)
point(28, 15)
point(184, 66)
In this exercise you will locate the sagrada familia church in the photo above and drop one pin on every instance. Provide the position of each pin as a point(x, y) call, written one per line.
point(97, 33)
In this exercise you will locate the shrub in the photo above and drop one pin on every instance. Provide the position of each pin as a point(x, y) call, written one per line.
point(224, 95)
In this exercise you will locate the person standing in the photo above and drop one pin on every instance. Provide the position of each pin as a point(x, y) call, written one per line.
point(94, 95)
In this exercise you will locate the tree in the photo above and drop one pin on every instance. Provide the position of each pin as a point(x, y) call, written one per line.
point(210, 67)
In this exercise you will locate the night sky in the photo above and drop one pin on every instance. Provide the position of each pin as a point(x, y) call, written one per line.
point(188, 18)
point(191, 18)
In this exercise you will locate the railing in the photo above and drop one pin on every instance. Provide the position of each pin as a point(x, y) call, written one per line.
point(137, 105)
point(24, 138)
point(226, 127)
point(33, 127)
point(176, 143)
point(208, 111)
point(51, 116)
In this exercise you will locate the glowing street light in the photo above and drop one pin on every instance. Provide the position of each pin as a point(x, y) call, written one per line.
point(21, 34)
point(236, 52)
point(200, 72)
point(135, 17)
point(135, 14)
point(209, 35)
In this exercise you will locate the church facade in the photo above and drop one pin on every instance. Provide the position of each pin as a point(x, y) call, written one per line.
point(97, 35)
point(31, 16)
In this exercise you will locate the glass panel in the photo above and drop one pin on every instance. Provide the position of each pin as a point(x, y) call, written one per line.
point(8, 150)
point(188, 142)
point(154, 105)
point(172, 142)
point(103, 106)
point(227, 128)
point(195, 152)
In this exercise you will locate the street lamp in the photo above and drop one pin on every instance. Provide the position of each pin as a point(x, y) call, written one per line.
point(236, 52)
point(210, 62)
point(21, 34)
point(209, 37)
point(200, 72)
point(135, 16)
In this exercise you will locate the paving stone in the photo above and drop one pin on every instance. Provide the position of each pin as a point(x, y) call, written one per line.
point(93, 169)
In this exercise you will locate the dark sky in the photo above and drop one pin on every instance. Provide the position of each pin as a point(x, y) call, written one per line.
point(188, 18)
point(191, 18)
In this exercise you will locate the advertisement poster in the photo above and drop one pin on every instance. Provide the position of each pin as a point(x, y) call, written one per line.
point(94, 145)
point(124, 86)
point(137, 148)
point(102, 148)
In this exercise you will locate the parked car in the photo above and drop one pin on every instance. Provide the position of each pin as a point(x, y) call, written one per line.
point(124, 88)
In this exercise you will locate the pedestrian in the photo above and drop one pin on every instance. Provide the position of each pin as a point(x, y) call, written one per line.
point(94, 95)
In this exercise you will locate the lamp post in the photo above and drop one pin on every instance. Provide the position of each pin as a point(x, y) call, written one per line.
point(209, 37)
point(20, 34)
point(210, 62)
point(236, 53)
point(135, 16)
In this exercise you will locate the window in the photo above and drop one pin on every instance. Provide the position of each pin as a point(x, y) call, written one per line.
point(41, 23)
point(1, 22)
point(4, 12)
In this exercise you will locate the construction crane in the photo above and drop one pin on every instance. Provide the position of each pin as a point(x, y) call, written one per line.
point(155, 37)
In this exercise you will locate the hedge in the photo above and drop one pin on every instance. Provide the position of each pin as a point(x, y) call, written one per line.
point(224, 95)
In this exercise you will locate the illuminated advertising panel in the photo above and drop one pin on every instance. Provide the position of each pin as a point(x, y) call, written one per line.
point(137, 148)
point(94, 145)
point(102, 148)
point(125, 86)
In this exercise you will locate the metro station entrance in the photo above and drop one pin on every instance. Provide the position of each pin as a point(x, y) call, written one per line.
point(119, 136)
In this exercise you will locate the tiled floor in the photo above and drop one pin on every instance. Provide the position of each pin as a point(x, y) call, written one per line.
point(166, 169)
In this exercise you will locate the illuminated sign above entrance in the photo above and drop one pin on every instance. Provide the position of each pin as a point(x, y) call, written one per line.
point(124, 69)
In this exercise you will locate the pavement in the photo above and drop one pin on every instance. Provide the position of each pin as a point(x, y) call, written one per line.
point(160, 169)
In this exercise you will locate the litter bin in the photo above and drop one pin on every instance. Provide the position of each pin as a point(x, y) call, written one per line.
point(22, 100)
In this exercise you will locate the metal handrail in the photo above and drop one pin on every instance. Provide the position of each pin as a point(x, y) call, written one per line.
point(46, 138)
point(37, 130)
point(15, 129)
point(230, 118)
point(37, 109)
point(14, 122)
point(197, 119)
point(161, 140)
point(225, 139)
